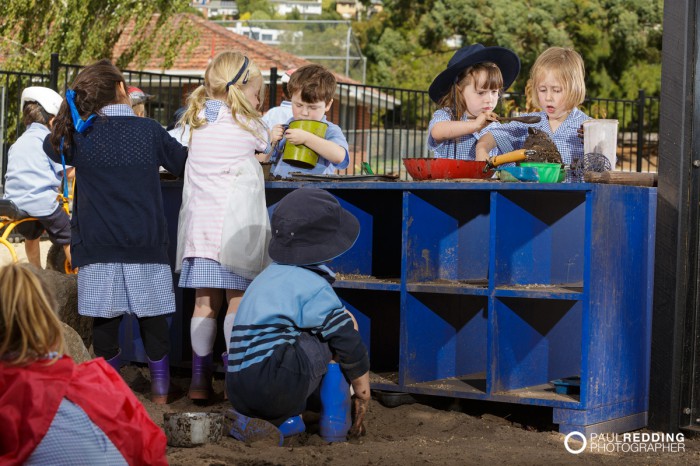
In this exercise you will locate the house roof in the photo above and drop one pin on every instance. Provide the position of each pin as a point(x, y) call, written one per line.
point(212, 38)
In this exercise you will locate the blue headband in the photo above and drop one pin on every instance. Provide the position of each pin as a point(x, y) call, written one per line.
point(80, 125)
point(239, 74)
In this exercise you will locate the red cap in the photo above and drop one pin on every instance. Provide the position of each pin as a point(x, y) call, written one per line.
point(287, 74)
point(137, 95)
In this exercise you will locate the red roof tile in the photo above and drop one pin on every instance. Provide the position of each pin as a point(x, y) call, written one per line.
point(211, 39)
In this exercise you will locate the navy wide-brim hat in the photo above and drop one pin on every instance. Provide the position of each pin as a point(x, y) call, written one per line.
point(309, 226)
point(506, 60)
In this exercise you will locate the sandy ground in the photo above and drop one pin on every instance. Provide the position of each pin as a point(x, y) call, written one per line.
point(6, 258)
point(433, 430)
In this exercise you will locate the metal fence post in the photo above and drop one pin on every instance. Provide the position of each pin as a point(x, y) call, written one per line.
point(641, 101)
point(273, 87)
point(53, 74)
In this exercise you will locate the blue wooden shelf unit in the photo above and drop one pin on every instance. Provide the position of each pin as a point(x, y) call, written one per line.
point(493, 291)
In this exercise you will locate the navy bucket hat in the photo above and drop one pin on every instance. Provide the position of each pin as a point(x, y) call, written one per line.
point(506, 60)
point(309, 226)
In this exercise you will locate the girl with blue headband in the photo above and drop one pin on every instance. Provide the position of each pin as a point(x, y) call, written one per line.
point(119, 238)
point(224, 227)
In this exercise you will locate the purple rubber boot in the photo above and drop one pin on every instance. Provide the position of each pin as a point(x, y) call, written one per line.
point(200, 386)
point(116, 361)
point(160, 380)
point(335, 420)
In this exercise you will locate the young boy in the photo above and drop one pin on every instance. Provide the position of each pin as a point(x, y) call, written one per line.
point(32, 179)
point(312, 88)
point(290, 324)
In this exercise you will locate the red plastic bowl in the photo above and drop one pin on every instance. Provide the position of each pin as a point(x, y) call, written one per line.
point(445, 169)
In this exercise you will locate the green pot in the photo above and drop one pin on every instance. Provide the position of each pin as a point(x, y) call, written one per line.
point(302, 156)
point(547, 172)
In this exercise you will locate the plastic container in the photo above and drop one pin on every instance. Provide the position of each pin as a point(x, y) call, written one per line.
point(600, 137)
point(192, 429)
point(424, 168)
point(547, 172)
point(302, 156)
point(567, 385)
point(524, 174)
point(335, 420)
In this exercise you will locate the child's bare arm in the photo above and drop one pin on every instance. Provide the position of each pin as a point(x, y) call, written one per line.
point(447, 130)
point(329, 150)
point(262, 156)
point(484, 146)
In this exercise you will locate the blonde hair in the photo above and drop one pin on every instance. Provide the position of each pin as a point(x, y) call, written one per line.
point(492, 79)
point(222, 69)
point(29, 326)
point(567, 67)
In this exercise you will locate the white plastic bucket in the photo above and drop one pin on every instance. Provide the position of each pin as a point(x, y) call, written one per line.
point(600, 137)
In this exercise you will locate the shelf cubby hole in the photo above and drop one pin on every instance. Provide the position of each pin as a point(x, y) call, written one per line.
point(376, 254)
point(540, 238)
point(378, 318)
point(447, 237)
point(535, 341)
point(446, 342)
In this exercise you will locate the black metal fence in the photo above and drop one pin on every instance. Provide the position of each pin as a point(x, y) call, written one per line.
point(383, 125)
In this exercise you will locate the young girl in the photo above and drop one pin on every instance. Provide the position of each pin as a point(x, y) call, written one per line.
point(467, 92)
point(52, 410)
point(119, 236)
point(224, 227)
point(556, 86)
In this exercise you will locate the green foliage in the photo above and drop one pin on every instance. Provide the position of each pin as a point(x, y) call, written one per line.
point(258, 9)
point(619, 40)
point(82, 31)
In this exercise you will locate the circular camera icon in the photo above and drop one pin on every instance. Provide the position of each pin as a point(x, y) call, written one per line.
point(578, 435)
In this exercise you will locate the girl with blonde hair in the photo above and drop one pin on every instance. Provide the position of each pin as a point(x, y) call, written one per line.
point(48, 401)
point(557, 87)
point(223, 228)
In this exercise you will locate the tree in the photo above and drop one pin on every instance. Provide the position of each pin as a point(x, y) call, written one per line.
point(255, 9)
point(82, 31)
point(619, 40)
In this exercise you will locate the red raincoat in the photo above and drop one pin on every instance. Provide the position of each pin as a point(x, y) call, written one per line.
point(30, 396)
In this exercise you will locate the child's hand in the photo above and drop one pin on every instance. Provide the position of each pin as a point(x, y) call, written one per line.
point(276, 134)
point(297, 136)
point(360, 404)
point(485, 118)
point(359, 411)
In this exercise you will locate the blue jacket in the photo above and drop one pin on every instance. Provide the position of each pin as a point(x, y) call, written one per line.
point(118, 207)
point(264, 366)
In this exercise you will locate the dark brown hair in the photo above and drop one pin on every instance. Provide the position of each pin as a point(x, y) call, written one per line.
point(33, 112)
point(95, 87)
point(315, 83)
point(492, 79)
